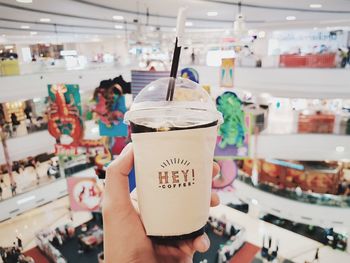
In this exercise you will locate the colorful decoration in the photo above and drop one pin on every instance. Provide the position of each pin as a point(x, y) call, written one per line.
point(228, 173)
point(84, 194)
point(190, 73)
point(233, 133)
point(110, 108)
point(64, 114)
point(115, 128)
point(232, 130)
point(227, 67)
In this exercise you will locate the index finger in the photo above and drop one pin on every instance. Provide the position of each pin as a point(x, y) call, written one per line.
point(117, 180)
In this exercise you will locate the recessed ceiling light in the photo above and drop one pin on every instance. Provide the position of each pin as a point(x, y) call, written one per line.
point(251, 32)
point(33, 33)
point(261, 34)
point(25, 1)
point(25, 27)
point(45, 20)
point(212, 13)
point(255, 202)
point(290, 18)
point(3, 35)
point(118, 26)
point(315, 6)
point(189, 23)
point(340, 149)
point(118, 17)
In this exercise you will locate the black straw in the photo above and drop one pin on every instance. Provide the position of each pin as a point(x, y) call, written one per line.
point(173, 72)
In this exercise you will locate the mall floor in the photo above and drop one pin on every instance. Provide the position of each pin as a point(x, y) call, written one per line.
point(291, 245)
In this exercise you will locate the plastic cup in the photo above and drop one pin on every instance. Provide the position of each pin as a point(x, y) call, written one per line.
point(174, 145)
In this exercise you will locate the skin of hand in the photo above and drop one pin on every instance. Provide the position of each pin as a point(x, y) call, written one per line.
point(125, 239)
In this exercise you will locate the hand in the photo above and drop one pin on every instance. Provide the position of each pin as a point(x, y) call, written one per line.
point(125, 238)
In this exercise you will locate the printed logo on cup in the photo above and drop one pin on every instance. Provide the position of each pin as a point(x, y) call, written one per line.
point(176, 173)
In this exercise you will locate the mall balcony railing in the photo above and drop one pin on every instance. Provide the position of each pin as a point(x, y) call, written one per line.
point(310, 60)
point(12, 131)
point(15, 68)
point(300, 196)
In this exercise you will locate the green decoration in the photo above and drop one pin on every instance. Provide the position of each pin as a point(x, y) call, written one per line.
point(233, 129)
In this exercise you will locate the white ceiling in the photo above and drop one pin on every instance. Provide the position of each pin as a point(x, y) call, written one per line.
point(94, 17)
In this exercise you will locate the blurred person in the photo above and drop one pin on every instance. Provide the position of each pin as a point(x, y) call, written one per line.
point(19, 243)
point(14, 121)
point(193, 57)
point(347, 190)
point(343, 56)
point(342, 187)
point(28, 113)
point(81, 244)
point(13, 188)
point(34, 164)
point(16, 167)
point(317, 258)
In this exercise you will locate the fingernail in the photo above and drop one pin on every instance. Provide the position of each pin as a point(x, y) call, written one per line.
point(205, 243)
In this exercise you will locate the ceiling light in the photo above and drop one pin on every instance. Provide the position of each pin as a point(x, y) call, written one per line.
point(212, 13)
point(118, 26)
point(25, 1)
point(25, 27)
point(45, 20)
point(33, 33)
point(239, 26)
point(118, 17)
point(254, 201)
point(340, 149)
point(315, 6)
point(251, 32)
point(3, 35)
point(315, 28)
point(189, 23)
point(261, 34)
point(291, 18)
point(9, 47)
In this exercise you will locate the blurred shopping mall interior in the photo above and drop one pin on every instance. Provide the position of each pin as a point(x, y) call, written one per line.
point(278, 71)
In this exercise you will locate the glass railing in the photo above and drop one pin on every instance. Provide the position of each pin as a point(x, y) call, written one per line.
point(296, 123)
point(10, 190)
point(301, 196)
point(308, 60)
point(40, 67)
point(11, 131)
point(44, 175)
point(300, 116)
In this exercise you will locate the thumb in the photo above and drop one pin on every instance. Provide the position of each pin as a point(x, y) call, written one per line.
point(117, 181)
